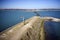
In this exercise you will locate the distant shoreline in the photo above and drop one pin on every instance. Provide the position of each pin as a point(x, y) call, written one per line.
point(34, 9)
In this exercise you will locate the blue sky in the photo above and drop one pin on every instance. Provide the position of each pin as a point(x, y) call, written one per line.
point(29, 4)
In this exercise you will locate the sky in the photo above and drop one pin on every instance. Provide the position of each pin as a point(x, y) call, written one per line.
point(29, 4)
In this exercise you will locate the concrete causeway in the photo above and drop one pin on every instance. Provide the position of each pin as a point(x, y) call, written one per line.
point(32, 30)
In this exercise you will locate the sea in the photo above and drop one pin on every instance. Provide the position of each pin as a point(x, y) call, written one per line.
point(9, 18)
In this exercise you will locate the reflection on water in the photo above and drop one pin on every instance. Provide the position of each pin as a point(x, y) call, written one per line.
point(52, 30)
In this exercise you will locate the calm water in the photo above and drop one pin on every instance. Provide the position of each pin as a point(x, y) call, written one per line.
point(11, 17)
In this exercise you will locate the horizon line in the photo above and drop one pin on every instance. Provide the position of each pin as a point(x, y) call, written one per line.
point(30, 8)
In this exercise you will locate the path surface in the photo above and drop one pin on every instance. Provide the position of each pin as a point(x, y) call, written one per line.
point(32, 30)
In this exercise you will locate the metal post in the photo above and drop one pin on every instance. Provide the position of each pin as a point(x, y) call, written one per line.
point(23, 19)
